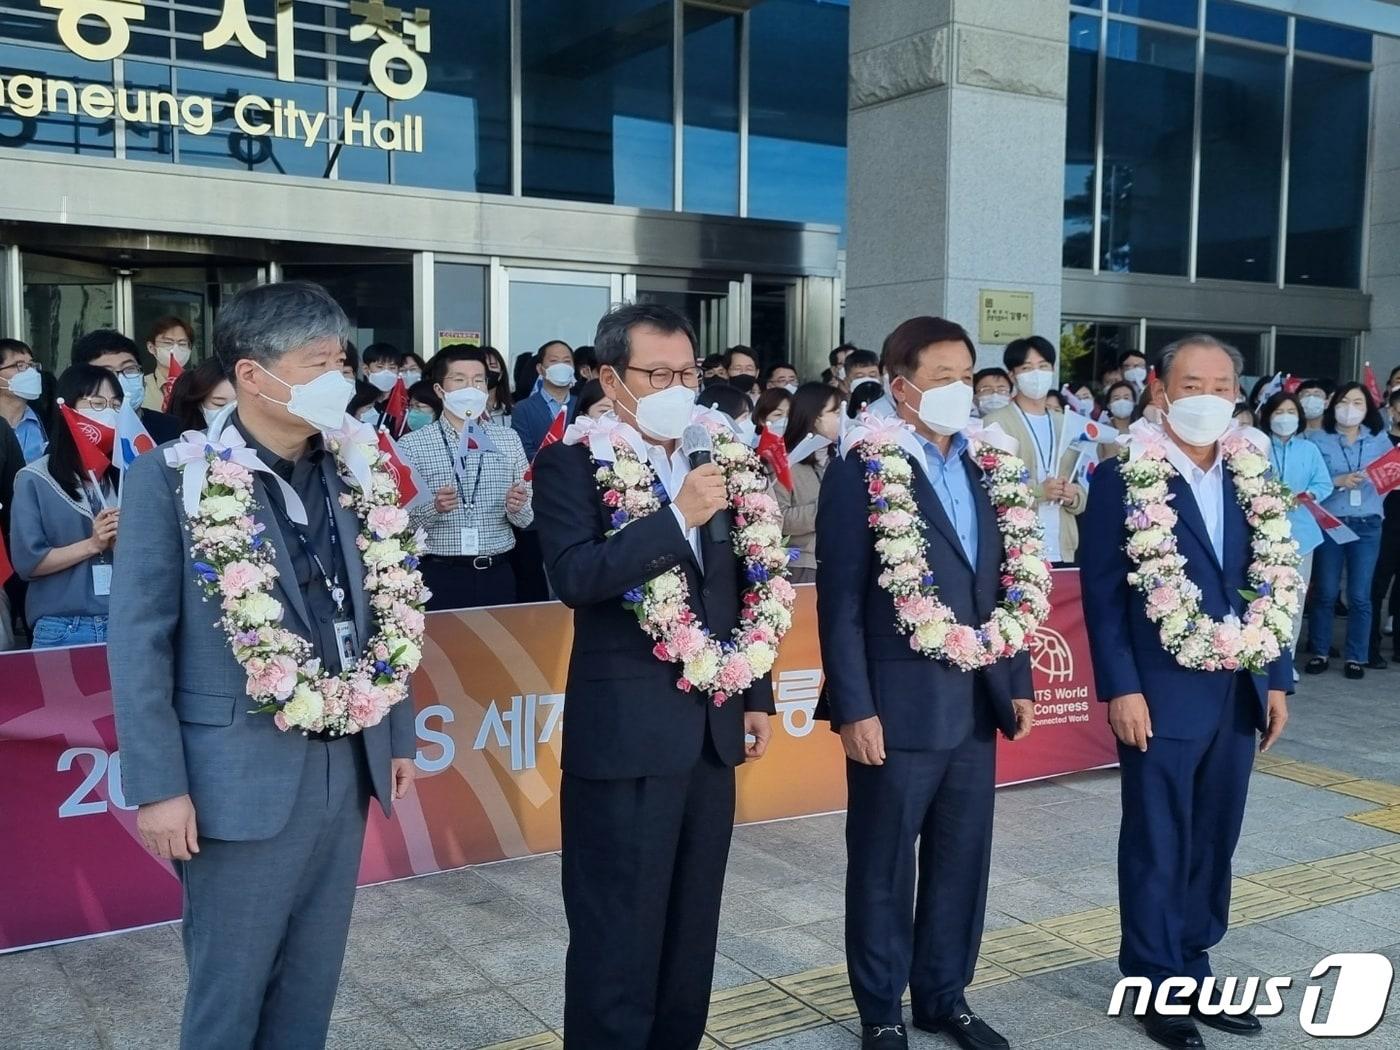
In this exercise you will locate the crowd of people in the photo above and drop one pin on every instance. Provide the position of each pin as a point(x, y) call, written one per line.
point(59, 523)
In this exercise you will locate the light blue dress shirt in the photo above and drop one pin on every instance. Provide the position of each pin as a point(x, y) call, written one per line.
point(1342, 458)
point(1298, 464)
point(954, 491)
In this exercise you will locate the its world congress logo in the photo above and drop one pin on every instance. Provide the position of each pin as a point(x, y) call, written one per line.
point(1357, 1004)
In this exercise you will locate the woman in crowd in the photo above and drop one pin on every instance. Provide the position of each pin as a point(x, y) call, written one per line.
point(62, 527)
point(364, 406)
point(199, 395)
point(1244, 415)
point(772, 410)
point(1388, 559)
point(424, 406)
point(591, 401)
point(816, 410)
point(1120, 399)
point(499, 404)
point(1299, 465)
point(1352, 437)
point(736, 405)
point(413, 369)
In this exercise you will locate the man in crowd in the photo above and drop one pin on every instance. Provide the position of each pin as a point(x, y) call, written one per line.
point(265, 827)
point(919, 734)
point(782, 375)
point(712, 369)
point(992, 388)
point(836, 360)
point(478, 489)
point(113, 351)
point(647, 799)
point(170, 340)
point(1133, 365)
point(534, 415)
point(1186, 737)
point(382, 364)
point(740, 361)
point(1039, 431)
point(12, 591)
point(20, 386)
point(586, 365)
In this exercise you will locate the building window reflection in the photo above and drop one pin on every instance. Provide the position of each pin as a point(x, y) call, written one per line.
point(711, 144)
point(596, 101)
point(27, 121)
point(1079, 140)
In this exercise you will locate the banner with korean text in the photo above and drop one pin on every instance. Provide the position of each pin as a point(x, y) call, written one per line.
point(490, 704)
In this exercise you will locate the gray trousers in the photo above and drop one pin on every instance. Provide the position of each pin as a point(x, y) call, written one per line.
point(266, 922)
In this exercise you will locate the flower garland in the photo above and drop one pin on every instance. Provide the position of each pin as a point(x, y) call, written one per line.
point(1173, 601)
point(718, 668)
point(905, 574)
point(235, 565)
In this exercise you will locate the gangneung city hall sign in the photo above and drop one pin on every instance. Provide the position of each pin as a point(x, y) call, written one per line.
point(100, 31)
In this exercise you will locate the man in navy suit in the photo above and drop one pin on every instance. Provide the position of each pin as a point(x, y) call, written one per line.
point(1185, 737)
point(919, 735)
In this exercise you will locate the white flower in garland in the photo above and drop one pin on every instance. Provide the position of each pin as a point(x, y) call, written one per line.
point(236, 565)
point(1173, 602)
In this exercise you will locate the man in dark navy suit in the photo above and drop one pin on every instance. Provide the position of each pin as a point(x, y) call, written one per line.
point(919, 735)
point(1185, 737)
point(647, 800)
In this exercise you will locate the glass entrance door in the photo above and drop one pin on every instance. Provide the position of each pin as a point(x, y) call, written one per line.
point(64, 298)
point(710, 304)
point(553, 304)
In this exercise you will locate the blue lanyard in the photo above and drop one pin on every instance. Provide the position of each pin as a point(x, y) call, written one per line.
point(1360, 452)
point(455, 457)
point(1280, 466)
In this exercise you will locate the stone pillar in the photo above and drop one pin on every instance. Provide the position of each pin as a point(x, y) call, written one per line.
point(955, 160)
point(1382, 344)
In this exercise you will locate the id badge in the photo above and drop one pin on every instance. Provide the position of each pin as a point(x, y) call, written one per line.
point(102, 579)
point(1354, 497)
point(471, 541)
point(347, 646)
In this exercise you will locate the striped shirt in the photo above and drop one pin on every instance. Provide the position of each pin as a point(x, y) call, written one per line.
point(481, 486)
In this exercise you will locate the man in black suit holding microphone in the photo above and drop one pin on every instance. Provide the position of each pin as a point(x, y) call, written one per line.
point(647, 800)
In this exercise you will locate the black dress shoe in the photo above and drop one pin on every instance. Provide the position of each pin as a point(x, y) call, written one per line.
point(1236, 1024)
point(1354, 671)
point(1377, 663)
point(1317, 665)
point(1175, 1033)
point(883, 1037)
point(967, 1029)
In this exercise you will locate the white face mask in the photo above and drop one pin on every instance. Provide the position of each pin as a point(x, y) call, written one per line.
point(466, 403)
point(1284, 425)
point(320, 402)
point(747, 432)
point(1314, 406)
point(776, 425)
point(27, 385)
point(1035, 385)
point(1122, 408)
point(664, 414)
point(382, 381)
point(411, 376)
point(991, 402)
point(1350, 415)
point(133, 388)
point(1200, 420)
point(946, 409)
point(1136, 376)
point(106, 416)
point(181, 356)
point(791, 388)
point(559, 374)
point(211, 412)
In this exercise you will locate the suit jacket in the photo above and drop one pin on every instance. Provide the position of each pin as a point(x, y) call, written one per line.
point(799, 509)
point(923, 704)
point(183, 712)
point(1011, 422)
point(624, 716)
point(161, 426)
point(1125, 645)
point(532, 418)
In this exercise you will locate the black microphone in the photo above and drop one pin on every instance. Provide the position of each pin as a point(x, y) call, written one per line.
point(698, 449)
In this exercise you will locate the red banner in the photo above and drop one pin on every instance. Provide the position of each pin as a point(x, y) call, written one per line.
point(489, 711)
point(1385, 472)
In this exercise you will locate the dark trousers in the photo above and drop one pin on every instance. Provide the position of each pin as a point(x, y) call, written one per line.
point(527, 559)
point(644, 864)
point(914, 915)
point(457, 584)
point(265, 923)
point(1387, 568)
point(1183, 806)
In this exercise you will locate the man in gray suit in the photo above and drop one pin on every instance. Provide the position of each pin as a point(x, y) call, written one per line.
point(265, 827)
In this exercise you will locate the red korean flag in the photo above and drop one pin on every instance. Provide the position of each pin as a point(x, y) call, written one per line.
point(552, 436)
point(1385, 472)
point(773, 452)
point(6, 568)
point(396, 408)
point(94, 440)
point(1369, 379)
point(410, 486)
point(168, 387)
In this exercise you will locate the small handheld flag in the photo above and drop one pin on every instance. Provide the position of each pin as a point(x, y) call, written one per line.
point(1374, 388)
point(773, 452)
point(554, 434)
point(168, 387)
point(94, 440)
point(396, 409)
point(132, 436)
point(6, 568)
point(411, 486)
point(1385, 472)
point(1337, 530)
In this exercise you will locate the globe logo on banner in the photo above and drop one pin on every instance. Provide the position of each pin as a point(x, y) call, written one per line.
point(1051, 655)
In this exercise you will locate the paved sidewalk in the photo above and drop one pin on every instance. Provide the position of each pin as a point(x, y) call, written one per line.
point(475, 958)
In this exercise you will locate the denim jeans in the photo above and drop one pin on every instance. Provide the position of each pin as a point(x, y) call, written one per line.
point(51, 632)
point(1359, 557)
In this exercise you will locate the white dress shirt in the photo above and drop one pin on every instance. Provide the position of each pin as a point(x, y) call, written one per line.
point(671, 473)
point(1208, 487)
point(1042, 458)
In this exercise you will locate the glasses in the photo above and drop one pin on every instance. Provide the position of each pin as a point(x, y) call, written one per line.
point(17, 366)
point(130, 371)
point(661, 378)
point(172, 344)
point(100, 404)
